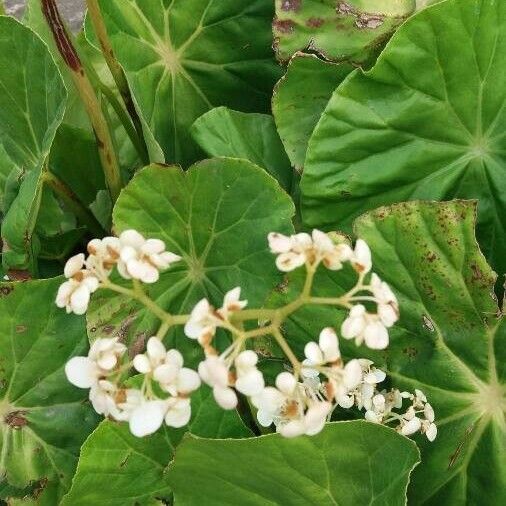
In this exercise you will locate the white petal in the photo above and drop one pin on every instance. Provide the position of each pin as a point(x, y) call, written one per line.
point(73, 265)
point(175, 358)
point(142, 364)
point(166, 374)
point(131, 238)
point(81, 372)
point(107, 361)
point(346, 401)
point(151, 274)
point(428, 412)
point(187, 381)
point(147, 418)
point(269, 400)
point(286, 383)
point(64, 292)
point(225, 397)
point(287, 262)
point(387, 314)
point(251, 383)
point(376, 336)
point(431, 432)
point(329, 344)
point(313, 353)
point(411, 427)
point(355, 323)
point(316, 416)
point(156, 349)
point(362, 256)
point(264, 418)
point(79, 300)
point(292, 429)
point(352, 374)
point(246, 359)
point(179, 414)
point(279, 243)
point(153, 247)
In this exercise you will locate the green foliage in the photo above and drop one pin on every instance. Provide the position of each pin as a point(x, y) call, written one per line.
point(348, 463)
point(43, 419)
point(396, 133)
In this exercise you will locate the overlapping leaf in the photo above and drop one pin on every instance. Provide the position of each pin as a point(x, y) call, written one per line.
point(353, 30)
point(348, 463)
point(300, 98)
point(426, 122)
point(43, 419)
point(180, 61)
point(216, 216)
point(253, 136)
point(116, 468)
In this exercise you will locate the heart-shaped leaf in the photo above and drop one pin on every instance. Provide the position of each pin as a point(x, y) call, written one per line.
point(180, 63)
point(300, 98)
point(353, 30)
point(397, 133)
point(348, 463)
point(112, 459)
point(252, 136)
point(216, 216)
point(43, 419)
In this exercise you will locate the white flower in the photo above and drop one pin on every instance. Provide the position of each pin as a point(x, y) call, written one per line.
point(388, 307)
point(365, 327)
point(250, 380)
point(74, 294)
point(289, 408)
point(411, 426)
point(143, 259)
point(204, 319)
point(103, 255)
point(361, 259)
point(326, 351)
point(299, 249)
point(231, 303)
point(215, 372)
point(166, 367)
point(103, 357)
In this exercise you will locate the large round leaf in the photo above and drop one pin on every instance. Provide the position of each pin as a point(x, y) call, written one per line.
point(426, 122)
point(216, 216)
point(184, 57)
point(449, 342)
point(349, 463)
point(43, 419)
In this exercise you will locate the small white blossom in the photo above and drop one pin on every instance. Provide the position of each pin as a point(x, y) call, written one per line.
point(299, 249)
point(102, 359)
point(103, 255)
point(326, 351)
point(215, 372)
point(250, 380)
point(166, 367)
point(388, 307)
point(204, 319)
point(363, 326)
point(148, 417)
point(143, 259)
point(74, 294)
point(361, 258)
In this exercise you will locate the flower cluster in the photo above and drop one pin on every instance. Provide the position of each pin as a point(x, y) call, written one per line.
point(311, 250)
point(134, 256)
point(143, 408)
point(300, 401)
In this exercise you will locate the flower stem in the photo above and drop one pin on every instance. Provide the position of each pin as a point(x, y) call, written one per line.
point(119, 77)
point(283, 344)
point(88, 96)
point(83, 214)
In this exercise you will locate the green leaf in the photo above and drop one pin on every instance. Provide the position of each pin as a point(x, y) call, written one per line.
point(32, 95)
point(353, 30)
point(116, 468)
point(43, 419)
point(216, 216)
point(348, 463)
point(7, 166)
point(180, 63)
point(449, 343)
point(223, 132)
point(396, 133)
point(300, 98)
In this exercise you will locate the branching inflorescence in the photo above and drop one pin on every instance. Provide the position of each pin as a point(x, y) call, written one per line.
point(301, 401)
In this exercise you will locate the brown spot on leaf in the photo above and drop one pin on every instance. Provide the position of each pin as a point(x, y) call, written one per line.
point(284, 25)
point(431, 256)
point(6, 290)
point(315, 22)
point(371, 21)
point(20, 329)
point(19, 275)
point(16, 419)
point(345, 8)
point(291, 5)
